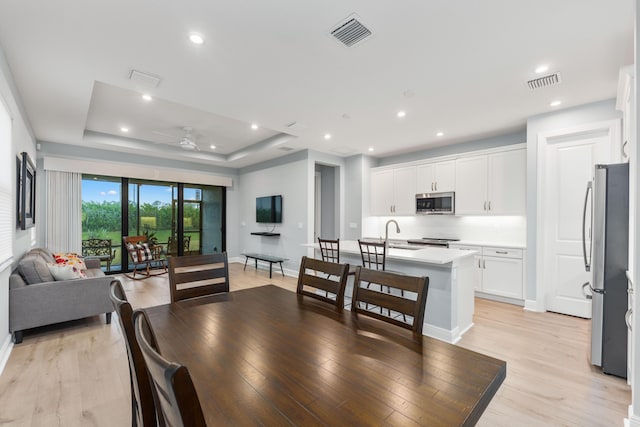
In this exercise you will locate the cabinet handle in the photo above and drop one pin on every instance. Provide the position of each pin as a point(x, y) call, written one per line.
point(627, 318)
point(484, 264)
point(479, 266)
point(489, 204)
point(485, 206)
point(502, 252)
point(432, 186)
point(436, 185)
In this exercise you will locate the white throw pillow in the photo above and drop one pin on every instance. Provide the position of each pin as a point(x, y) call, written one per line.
point(64, 272)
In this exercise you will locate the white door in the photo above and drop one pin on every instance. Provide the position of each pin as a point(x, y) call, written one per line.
point(569, 166)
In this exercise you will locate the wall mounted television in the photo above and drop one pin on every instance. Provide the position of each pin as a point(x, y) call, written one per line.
point(269, 209)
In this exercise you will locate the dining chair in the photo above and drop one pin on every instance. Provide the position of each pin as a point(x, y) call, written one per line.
point(198, 275)
point(178, 401)
point(330, 252)
point(143, 410)
point(406, 297)
point(311, 280)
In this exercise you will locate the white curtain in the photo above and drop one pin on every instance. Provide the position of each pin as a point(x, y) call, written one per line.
point(63, 214)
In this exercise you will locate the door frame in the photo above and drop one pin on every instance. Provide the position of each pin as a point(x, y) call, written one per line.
point(613, 129)
point(317, 206)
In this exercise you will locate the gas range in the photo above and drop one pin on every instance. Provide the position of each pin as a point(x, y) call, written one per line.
point(431, 241)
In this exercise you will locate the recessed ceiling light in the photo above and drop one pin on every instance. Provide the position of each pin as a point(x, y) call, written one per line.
point(196, 38)
point(213, 147)
point(541, 69)
point(401, 114)
point(147, 97)
point(254, 126)
point(327, 136)
point(440, 134)
point(124, 129)
point(555, 103)
point(370, 148)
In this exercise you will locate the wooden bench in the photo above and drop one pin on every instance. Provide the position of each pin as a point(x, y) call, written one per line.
point(266, 258)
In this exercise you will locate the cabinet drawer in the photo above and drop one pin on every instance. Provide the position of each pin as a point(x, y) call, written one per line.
point(466, 248)
point(502, 252)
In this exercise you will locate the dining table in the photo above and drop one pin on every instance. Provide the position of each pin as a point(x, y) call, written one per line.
point(269, 356)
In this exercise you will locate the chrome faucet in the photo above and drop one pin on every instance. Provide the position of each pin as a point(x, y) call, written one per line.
point(386, 231)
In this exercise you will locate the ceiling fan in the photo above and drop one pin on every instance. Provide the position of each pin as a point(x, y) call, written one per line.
point(187, 142)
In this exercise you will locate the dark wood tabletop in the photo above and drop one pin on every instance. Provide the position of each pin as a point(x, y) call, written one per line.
point(266, 356)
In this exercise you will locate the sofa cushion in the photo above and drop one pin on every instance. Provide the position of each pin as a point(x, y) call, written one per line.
point(64, 271)
point(33, 269)
point(45, 253)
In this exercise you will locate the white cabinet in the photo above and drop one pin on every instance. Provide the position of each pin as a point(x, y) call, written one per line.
point(499, 271)
point(393, 191)
point(492, 184)
point(439, 176)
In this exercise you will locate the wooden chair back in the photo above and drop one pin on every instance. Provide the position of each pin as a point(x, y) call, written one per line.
point(405, 299)
point(330, 277)
point(142, 400)
point(374, 255)
point(329, 250)
point(198, 275)
point(177, 397)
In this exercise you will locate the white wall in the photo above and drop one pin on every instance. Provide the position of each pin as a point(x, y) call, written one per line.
point(21, 140)
point(588, 113)
point(289, 178)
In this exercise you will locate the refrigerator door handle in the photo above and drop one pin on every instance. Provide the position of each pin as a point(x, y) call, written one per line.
point(627, 318)
point(587, 262)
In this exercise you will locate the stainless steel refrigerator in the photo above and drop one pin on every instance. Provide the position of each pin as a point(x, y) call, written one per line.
point(606, 254)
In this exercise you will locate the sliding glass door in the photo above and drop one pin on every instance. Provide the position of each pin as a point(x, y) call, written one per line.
point(183, 219)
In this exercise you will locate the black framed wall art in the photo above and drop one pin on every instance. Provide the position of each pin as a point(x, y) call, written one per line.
point(26, 186)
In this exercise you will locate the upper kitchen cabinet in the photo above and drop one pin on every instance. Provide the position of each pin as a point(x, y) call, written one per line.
point(491, 184)
point(393, 191)
point(439, 176)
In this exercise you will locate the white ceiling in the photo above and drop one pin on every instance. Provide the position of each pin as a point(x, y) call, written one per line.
point(454, 66)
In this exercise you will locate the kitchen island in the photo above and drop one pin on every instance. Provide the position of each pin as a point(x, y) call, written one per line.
point(449, 310)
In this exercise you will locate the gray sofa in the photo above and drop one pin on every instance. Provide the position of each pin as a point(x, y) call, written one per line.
point(37, 299)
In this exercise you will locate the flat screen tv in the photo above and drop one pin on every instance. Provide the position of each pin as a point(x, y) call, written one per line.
point(269, 209)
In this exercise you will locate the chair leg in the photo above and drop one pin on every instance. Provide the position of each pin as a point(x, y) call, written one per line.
point(108, 318)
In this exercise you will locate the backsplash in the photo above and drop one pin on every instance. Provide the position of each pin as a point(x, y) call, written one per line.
point(494, 229)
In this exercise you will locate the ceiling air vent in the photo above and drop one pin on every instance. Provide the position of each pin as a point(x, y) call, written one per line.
point(350, 32)
point(544, 81)
point(147, 79)
point(285, 148)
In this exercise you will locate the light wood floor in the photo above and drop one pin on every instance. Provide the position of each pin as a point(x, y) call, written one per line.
point(75, 374)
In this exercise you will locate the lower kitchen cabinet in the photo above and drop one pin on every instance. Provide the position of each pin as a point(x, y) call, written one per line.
point(499, 271)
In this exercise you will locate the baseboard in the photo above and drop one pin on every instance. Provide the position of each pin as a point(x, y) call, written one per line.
point(446, 335)
point(5, 352)
point(499, 298)
point(633, 420)
point(532, 305)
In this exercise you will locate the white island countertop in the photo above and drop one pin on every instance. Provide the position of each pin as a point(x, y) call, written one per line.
point(426, 255)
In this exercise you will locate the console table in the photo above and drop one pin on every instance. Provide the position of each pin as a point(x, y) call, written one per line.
point(266, 258)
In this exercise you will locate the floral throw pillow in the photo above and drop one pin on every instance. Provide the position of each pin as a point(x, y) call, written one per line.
point(70, 259)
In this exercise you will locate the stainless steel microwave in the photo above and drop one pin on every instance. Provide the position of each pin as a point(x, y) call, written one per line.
point(435, 203)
